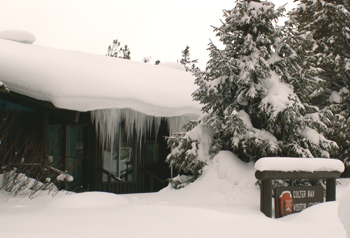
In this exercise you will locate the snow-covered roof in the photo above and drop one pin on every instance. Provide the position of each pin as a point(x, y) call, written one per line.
point(18, 36)
point(84, 82)
point(298, 164)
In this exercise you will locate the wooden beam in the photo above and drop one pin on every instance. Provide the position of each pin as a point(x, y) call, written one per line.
point(261, 175)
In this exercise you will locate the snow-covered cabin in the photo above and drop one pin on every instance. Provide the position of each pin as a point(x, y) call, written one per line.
point(102, 119)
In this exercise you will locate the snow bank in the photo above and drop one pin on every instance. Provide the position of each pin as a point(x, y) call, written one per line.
point(226, 179)
point(169, 213)
point(173, 65)
point(344, 210)
point(298, 164)
point(85, 82)
point(88, 200)
point(18, 36)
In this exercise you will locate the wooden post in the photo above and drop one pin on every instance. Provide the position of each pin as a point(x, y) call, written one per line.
point(151, 183)
point(109, 183)
point(266, 197)
point(330, 189)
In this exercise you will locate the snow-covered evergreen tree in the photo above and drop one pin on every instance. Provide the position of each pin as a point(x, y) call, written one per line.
point(325, 23)
point(250, 89)
point(247, 89)
point(115, 50)
point(186, 60)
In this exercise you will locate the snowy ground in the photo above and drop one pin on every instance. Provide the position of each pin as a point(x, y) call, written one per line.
point(224, 202)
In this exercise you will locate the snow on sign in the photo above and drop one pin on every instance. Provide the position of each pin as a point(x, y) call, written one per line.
point(290, 200)
point(298, 164)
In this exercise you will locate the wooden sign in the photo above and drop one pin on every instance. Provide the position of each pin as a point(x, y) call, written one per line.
point(295, 199)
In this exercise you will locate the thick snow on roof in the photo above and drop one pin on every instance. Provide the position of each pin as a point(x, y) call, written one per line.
point(85, 82)
point(298, 164)
point(18, 36)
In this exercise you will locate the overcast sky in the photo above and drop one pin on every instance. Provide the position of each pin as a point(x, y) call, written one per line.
point(160, 29)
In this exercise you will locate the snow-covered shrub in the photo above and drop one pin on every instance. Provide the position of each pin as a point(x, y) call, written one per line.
point(20, 184)
point(181, 181)
point(189, 152)
point(17, 183)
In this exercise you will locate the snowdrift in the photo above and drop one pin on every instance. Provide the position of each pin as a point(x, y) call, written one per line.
point(344, 210)
point(226, 179)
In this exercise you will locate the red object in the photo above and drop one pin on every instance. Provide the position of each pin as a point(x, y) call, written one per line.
point(286, 203)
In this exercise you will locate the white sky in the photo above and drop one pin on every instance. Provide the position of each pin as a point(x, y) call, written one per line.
point(160, 29)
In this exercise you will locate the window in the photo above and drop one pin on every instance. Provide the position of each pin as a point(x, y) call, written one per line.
point(152, 152)
point(120, 158)
point(75, 154)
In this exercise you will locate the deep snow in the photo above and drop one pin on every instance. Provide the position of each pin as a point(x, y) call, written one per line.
point(344, 210)
point(224, 202)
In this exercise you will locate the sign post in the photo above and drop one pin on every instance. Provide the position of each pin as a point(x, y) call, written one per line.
point(266, 178)
point(294, 199)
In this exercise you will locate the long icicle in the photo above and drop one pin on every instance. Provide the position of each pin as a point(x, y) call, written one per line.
point(108, 121)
